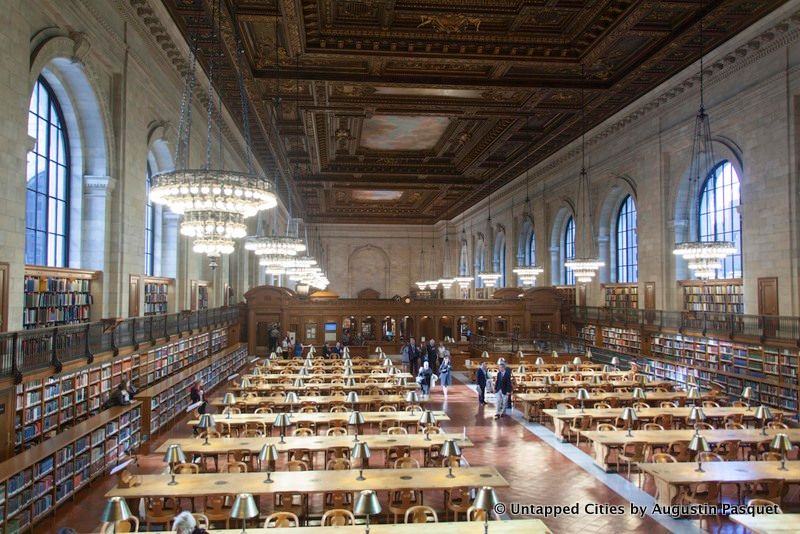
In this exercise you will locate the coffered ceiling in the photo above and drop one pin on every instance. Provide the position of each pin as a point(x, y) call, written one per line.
point(410, 111)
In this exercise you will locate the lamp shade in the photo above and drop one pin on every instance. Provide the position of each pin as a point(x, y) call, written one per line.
point(638, 393)
point(522, 369)
point(781, 443)
point(597, 379)
point(308, 363)
point(564, 369)
point(629, 415)
point(763, 413)
point(352, 397)
point(412, 396)
point(696, 414)
point(747, 393)
point(273, 356)
point(244, 507)
point(539, 361)
point(291, 398)
point(229, 399)
point(174, 454)
point(350, 381)
point(360, 451)
point(348, 371)
point(548, 380)
point(303, 371)
point(367, 503)
point(256, 371)
point(485, 354)
point(699, 444)
point(116, 509)
point(356, 418)
point(486, 499)
point(520, 354)
point(693, 394)
point(450, 448)
point(281, 420)
point(583, 394)
point(606, 368)
point(576, 360)
point(554, 354)
point(588, 354)
point(246, 382)
point(388, 362)
point(268, 453)
point(348, 362)
point(378, 350)
point(427, 418)
point(614, 361)
point(392, 371)
point(298, 383)
point(206, 421)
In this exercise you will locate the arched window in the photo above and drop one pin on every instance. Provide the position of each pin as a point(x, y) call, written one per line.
point(499, 259)
point(569, 251)
point(530, 249)
point(719, 215)
point(480, 261)
point(47, 194)
point(463, 260)
point(627, 243)
point(149, 226)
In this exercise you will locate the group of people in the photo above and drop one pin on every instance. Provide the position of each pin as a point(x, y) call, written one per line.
point(423, 361)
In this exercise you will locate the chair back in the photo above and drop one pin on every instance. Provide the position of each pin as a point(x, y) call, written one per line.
point(186, 469)
point(406, 462)
point(281, 520)
point(236, 467)
point(338, 464)
point(421, 514)
point(338, 518)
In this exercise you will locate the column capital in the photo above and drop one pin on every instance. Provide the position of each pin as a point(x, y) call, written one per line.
point(96, 185)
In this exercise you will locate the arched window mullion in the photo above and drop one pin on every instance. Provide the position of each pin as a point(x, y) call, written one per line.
point(718, 215)
point(569, 251)
point(149, 226)
point(627, 242)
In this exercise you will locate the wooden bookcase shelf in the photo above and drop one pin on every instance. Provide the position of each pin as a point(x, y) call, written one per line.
point(56, 296)
point(48, 406)
point(35, 482)
point(158, 294)
point(169, 398)
point(621, 295)
point(714, 296)
point(589, 335)
point(624, 340)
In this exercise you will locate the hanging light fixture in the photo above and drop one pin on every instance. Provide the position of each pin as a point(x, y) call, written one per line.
point(490, 278)
point(464, 280)
point(703, 257)
point(421, 283)
point(527, 273)
point(584, 267)
point(445, 280)
point(214, 202)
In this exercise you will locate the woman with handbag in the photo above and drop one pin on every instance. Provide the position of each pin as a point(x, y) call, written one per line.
point(445, 374)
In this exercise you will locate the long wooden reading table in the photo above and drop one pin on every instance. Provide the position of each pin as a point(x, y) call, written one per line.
point(322, 418)
point(517, 526)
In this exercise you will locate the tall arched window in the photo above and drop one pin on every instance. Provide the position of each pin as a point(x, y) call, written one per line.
point(480, 261)
point(463, 260)
point(627, 243)
point(149, 225)
point(719, 215)
point(47, 193)
point(530, 249)
point(499, 259)
point(569, 251)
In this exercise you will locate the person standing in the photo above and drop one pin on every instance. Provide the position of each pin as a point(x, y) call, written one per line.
point(298, 349)
point(413, 356)
point(274, 334)
point(197, 394)
point(502, 389)
point(445, 374)
point(424, 378)
point(482, 379)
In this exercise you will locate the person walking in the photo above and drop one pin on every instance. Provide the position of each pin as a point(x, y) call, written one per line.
point(482, 378)
point(424, 378)
point(445, 374)
point(502, 389)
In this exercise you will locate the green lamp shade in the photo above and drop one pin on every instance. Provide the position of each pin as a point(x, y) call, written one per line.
point(115, 509)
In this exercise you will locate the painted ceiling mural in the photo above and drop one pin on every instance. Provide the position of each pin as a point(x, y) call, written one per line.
point(409, 111)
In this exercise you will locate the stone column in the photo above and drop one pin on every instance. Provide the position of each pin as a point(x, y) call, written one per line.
point(96, 211)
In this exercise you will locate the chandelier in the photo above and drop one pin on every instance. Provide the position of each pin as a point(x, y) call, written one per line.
point(489, 278)
point(464, 280)
point(214, 202)
point(274, 245)
point(526, 274)
point(703, 257)
point(445, 281)
point(584, 268)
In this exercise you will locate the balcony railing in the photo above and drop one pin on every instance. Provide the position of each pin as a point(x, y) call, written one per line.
point(764, 327)
point(32, 350)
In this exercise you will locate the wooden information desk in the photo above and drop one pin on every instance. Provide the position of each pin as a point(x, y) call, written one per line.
point(169, 398)
point(562, 420)
point(517, 526)
point(34, 482)
point(322, 418)
point(602, 442)
point(533, 402)
point(200, 485)
point(321, 400)
point(669, 477)
point(313, 443)
point(766, 524)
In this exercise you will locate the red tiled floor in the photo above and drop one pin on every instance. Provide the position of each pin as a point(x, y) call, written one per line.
point(538, 474)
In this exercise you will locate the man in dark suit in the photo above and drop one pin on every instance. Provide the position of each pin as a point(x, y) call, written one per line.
point(482, 378)
point(502, 389)
point(414, 357)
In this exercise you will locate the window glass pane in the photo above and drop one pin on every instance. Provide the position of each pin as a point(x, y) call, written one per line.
point(719, 218)
point(627, 244)
point(569, 250)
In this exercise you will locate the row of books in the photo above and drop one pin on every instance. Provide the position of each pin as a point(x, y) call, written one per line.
point(48, 300)
point(50, 284)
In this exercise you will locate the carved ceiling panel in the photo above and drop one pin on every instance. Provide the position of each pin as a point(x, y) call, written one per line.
point(410, 111)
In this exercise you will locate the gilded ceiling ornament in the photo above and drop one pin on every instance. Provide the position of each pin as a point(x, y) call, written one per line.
point(449, 23)
point(342, 134)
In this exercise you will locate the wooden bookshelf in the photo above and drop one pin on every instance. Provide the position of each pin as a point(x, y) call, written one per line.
point(54, 296)
point(34, 483)
point(713, 296)
point(568, 293)
point(588, 334)
point(624, 340)
point(621, 295)
point(730, 366)
point(158, 294)
point(47, 406)
point(169, 398)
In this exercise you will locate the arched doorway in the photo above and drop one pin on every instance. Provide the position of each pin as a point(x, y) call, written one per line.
point(427, 328)
point(445, 327)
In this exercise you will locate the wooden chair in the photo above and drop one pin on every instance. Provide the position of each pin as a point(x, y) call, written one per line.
point(211, 433)
point(281, 520)
point(393, 453)
point(668, 404)
point(701, 493)
point(666, 420)
point(296, 503)
point(337, 517)
point(728, 449)
point(302, 455)
point(421, 514)
point(414, 408)
point(235, 467)
point(457, 501)
point(763, 503)
point(602, 406)
point(388, 408)
point(771, 456)
point(777, 425)
point(406, 462)
point(768, 489)
point(578, 425)
point(338, 464)
point(737, 418)
point(217, 508)
point(336, 431)
point(709, 457)
point(242, 455)
point(734, 426)
point(401, 501)
point(680, 450)
point(303, 432)
point(202, 521)
point(186, 469)
point(476, 514)
point(710, 404)
point(395, 430)
point(336, 452)
point(338, 409)
point(703, 426)
point(159, 511)
point(652, 426)
point(757, 449)
point(631, 453)
point(264, 409)
point(252, 433)
point(641, 405)
point(386, 424)
point(127, 525)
